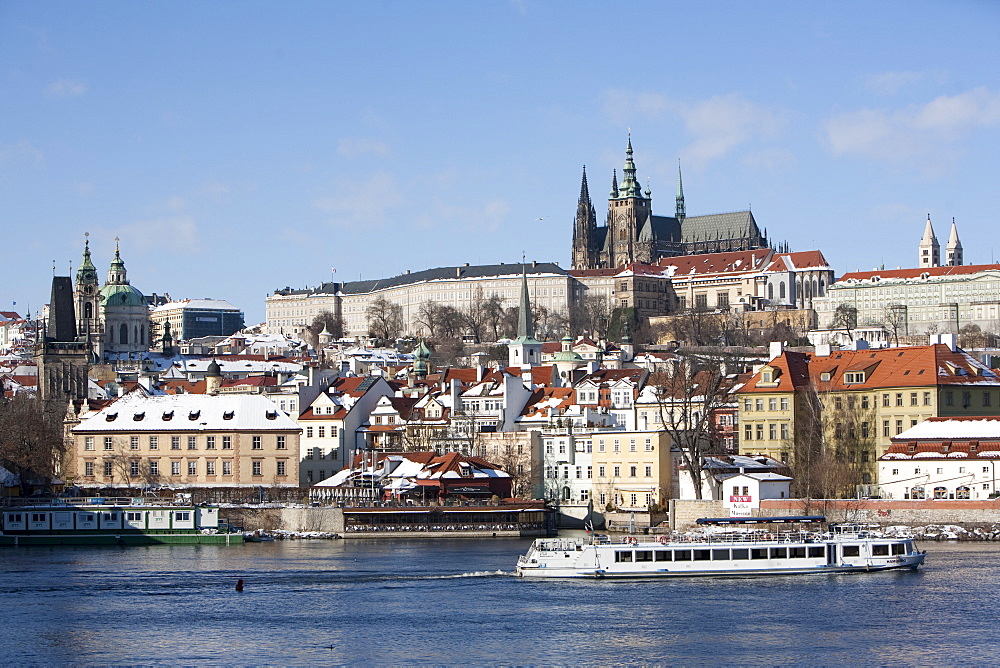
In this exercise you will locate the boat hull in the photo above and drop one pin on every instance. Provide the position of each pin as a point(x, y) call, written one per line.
point(631, 559)
point(119, 539)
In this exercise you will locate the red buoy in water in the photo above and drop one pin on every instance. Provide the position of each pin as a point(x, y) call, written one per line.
point(239, 585)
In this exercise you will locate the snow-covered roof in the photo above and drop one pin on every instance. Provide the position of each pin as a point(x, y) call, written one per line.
point(189, 412)
point(953, 428)
point(212, 304)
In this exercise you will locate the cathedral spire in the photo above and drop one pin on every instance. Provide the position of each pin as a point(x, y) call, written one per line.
point(614, 184)
point(679, 212)
point(953, 251)
point(584, 191)
point(630, 185)
point(525, 326)
point(930, 250)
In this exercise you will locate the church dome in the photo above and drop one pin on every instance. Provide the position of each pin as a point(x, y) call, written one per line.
point(121, 295)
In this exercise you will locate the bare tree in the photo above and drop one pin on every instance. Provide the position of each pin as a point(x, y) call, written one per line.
point(450, 323)
point(328, 320)
point(385, 319)
point(845, 317)
point(895, 320)
point(475, 316)
point(31, 444)
point(687, 395)
point(512, 453)
point(591, 315)
point(429, 317)
point(495, 315)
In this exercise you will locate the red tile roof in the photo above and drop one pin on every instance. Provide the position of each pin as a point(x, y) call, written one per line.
point(916, 273)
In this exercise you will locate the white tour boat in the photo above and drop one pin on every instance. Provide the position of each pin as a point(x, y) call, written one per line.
point(845, 548)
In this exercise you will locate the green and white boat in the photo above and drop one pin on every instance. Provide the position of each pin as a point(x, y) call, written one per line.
point(111, 521)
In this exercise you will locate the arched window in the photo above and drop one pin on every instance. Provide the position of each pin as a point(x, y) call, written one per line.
point(88, 310)
point(815, 288)
point(822, 287)
point(781, 290)
point(962, 492)
point(123, 334)
point(940, 492)
point(917, 492)
point(565, 493)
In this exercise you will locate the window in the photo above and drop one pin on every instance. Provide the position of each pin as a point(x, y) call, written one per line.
point(227, 442)
point(618, 471)
point(210, 467)
point(175, 442)
point(864, 430)
point(966, 399)
point(899, 427)
point(747, 405)
point(927, 398)
point(617, 446)
point(772, 431)
point(899, 398)
point(133, 443)
point(784, 431)
point(649, 471)
point(175, 468)
point(772, 404)
point(88, 469)
point(885, 400)
point(154, 468)
point(108, 443)
point(192, 442)
point(885, 428)
point(949, 398)
point(631, 445)
point(227, 468)
point(632, 471)
point(133, 468)
point(760, 431)
point(913, 398)
point(864, 401)
point(256, 468)
point(321, 431)
point(649, 445)
point(854, 377)
point(784, 403)
point(88, 443)
point(600, 471)
point(309, 432)
point(192, 468)
point(210, 442)
point(281, 442)
point(748, 432)
point(759, 404)
point(154, 443)
point(986, 398)
point(255, 443)
point(107, 468)
point(590, 472)
point(281, 468)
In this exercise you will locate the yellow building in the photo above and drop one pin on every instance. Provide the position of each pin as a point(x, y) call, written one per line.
point(187, 440)
point(632, 469)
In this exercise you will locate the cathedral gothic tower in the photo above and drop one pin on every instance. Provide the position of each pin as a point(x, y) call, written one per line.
point(628, 212)
point(584, 227)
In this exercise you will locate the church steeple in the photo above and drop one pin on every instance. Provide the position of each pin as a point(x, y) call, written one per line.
point(679, 212)
point(584, 227)
point(614, 184)
point(953, 251)
point(525, 351)
point(116, 272)
point(630, 185)
point(930, 250)
point(87, 273)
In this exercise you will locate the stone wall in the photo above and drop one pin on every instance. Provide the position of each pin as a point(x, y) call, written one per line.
point(888, 512)
point(326, 520)
point(683, 513)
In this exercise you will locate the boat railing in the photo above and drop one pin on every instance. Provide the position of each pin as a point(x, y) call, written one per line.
point(89, 501)
point(748, 538)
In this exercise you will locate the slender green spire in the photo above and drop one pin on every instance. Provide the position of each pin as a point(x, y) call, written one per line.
point(630, 185)
point(525, 326)
point(87, 273)
point(680, 212)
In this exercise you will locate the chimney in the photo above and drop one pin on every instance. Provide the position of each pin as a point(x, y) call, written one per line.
point(823, 350)
point(775, 349)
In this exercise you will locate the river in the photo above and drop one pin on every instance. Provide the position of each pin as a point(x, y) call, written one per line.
point(455, 602)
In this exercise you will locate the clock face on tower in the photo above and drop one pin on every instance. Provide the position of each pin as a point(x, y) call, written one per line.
point(88, 289)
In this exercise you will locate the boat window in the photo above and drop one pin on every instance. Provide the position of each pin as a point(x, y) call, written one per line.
point(851, 551)
point(720, 555)
point(682, 555)
point(817, 551)
point(758, 553)
point(621, 555)
point(779, 552)
point(643, 555)
point(796, 553)
point(880, 550)
point(741, 553)
point(662, 555)
point(899, 548)
point(702, 555)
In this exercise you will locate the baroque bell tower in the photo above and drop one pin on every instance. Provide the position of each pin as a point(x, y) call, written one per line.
point(628, 211)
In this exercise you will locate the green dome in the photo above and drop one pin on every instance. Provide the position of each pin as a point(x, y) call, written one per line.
point(121, 295)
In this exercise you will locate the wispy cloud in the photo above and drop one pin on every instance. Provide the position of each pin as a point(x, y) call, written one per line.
point(176, 234)
point(890, 83)
point(485, 218)
point(716, 126)
point(66, 88)
point(20, 153)
point(83, 188)
point(358, 147)
point(931, 132)
point(368, 203)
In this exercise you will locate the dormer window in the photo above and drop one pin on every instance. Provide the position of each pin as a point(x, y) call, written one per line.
point(138, 417)
point(111, 417)
point(228, 415)
point(946, 447)
point(825, 376)
point(854, 377)
point(911, 448)
point(271, 415)
point(168, 416)
point(194, 415)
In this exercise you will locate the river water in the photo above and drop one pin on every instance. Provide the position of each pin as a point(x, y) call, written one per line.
point(455, 602)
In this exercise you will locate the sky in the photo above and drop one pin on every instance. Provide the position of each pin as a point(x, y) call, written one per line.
point(239, 147)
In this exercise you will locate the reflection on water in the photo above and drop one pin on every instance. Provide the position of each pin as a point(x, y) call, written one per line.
point(457, 602)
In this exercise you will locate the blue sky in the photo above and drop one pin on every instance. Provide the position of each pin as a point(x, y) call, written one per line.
point(240, 147)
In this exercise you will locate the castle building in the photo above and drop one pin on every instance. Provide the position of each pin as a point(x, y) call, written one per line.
point(632, 233)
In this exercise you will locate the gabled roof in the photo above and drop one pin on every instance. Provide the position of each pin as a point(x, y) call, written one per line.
point(793, 374)
point(946, 270)
point(716, 263)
